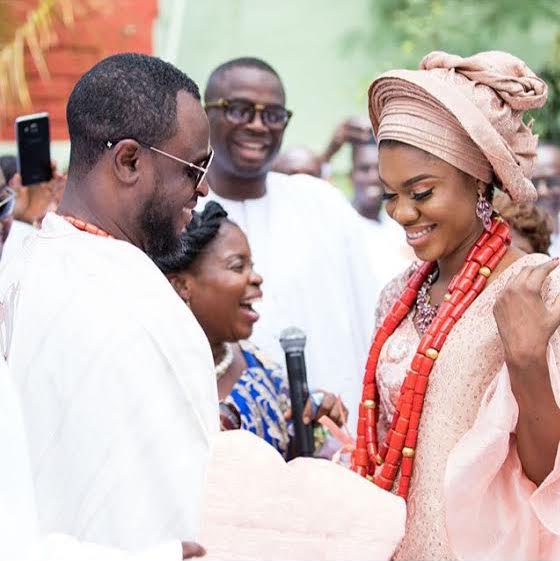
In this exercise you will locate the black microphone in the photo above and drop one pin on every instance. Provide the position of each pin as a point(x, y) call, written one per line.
point(293, 340)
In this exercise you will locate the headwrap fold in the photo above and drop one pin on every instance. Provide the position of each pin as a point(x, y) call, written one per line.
point(467, 112)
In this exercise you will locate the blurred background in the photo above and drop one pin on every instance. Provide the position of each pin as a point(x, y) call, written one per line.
point(326, 51)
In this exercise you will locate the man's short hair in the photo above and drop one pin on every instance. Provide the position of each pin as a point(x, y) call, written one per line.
point(242, 62)
point(123, 96)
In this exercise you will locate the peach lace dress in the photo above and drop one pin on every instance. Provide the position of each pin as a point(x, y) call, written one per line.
point(469, 498)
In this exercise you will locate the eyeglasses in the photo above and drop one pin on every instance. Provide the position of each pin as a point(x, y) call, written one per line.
point(243, 111)
point(7, 202)
point(200, 170)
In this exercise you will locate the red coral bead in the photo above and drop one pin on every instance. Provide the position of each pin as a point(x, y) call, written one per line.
point(471, 270)
point(380, 481)
point(411, 438)
point(495, 242)
point(406, 467)
point(496, 258)
point(483, 255)
point(397, 440)
point(421, 384)
point(456, 296)
point(446, 307)
point(479, 284)
point(464, 285)
point(448, 324)
point(393, 456)
point(360, 457)
point(438, 341)
point(409, 296)
point(425, 343)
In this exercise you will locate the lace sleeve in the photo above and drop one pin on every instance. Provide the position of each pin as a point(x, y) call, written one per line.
point(390, 293)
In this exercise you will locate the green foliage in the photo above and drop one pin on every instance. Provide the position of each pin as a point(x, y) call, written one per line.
point(465, 26)
point(403, 31)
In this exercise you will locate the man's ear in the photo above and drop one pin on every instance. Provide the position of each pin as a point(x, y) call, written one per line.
point(182, 283)
point(126, 158)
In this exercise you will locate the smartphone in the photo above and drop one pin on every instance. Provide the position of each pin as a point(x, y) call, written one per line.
point(34, 148)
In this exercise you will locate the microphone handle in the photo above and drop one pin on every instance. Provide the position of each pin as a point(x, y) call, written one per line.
point(299, 394)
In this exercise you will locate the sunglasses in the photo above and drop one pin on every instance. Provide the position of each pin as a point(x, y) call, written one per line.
point(243, 111)
point(7, 202)
point(199, 170)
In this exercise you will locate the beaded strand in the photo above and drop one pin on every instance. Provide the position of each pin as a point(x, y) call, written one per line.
point(86, 227)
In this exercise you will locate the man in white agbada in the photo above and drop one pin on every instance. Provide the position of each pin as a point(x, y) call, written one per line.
point(306, 239)
point(114, 374)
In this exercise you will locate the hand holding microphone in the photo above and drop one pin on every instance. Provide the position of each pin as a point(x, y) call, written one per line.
point(306, 408)
point(293, 342)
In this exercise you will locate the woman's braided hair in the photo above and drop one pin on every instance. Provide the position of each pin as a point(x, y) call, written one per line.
point(202, 229)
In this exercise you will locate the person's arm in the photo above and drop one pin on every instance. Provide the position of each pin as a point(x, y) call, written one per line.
point(353, 130)
point(526, 326)
point(34, 202)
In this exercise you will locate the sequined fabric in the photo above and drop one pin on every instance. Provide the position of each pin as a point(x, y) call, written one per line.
point(469, 360)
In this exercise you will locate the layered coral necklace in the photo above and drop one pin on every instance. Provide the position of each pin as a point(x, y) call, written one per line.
point(396, 453)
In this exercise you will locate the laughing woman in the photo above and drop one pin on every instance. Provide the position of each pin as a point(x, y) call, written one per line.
point(214, 276)
point(460, 408)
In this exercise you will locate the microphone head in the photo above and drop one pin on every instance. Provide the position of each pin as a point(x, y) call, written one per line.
point(292, 339)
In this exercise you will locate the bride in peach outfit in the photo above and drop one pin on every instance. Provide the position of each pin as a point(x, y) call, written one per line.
point(460, 409)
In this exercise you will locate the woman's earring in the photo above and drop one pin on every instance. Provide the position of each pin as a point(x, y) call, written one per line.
point(484, 211)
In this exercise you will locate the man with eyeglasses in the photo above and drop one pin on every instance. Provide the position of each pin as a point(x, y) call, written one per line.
point(115, 376)
point(546, 177)
point(305, 237)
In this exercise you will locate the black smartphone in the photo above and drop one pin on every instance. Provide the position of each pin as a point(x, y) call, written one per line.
point(34, 148)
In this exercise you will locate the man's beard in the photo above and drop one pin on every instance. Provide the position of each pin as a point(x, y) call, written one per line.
point(158, 228)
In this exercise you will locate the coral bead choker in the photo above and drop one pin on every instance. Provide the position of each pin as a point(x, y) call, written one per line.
point(86, 227)
point(381, 464)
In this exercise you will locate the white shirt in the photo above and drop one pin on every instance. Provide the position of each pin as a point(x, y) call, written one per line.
point(308, 244)
point(19, 232)
point(117, 388)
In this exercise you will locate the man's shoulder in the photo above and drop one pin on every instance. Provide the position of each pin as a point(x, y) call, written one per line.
point(86, 272)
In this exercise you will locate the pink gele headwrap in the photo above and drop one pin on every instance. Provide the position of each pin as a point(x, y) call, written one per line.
point(467, 112)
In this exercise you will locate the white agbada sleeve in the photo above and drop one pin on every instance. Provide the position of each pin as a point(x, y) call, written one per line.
point(19, 534)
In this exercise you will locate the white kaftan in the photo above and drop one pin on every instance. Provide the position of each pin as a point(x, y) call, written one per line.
point(117, 389)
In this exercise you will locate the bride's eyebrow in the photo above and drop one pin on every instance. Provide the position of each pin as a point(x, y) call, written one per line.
point(413, 180)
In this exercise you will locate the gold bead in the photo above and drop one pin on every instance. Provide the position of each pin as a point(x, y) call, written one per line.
point(447, 297)
point(369, 404)
point(369, 478)
point(432, 353)
point(379, 460)
point(498, 219)
point(407, 452)
point(485, 272)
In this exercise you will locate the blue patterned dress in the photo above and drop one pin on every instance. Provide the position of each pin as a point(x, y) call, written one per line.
point(262, 396)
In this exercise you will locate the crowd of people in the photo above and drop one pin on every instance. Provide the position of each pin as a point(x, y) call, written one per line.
point(144, 293)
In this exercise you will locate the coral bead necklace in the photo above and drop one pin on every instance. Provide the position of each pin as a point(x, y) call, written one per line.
point(396, 453)
point(86, 227)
